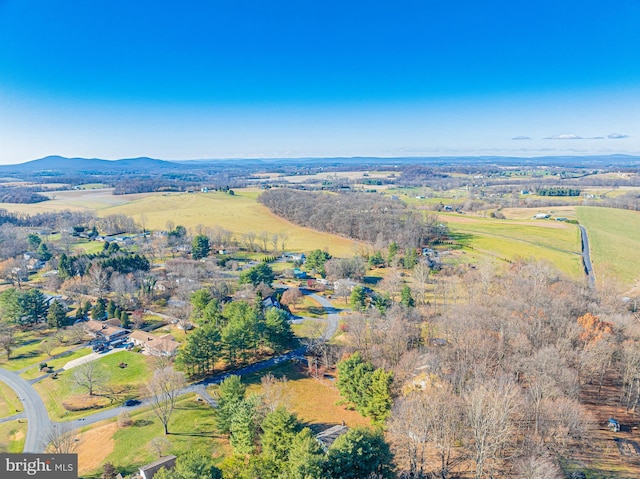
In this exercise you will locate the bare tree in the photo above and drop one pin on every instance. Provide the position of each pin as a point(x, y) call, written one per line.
point(291, 296)
point(7, 340)
point(59, 439)
point(420, 274)
point(160, 445)
point(99, 280)
point(89, 377)
point(489, 409)
point(164, 388)
point(275, 393)
point(263, 237)
point(284, 236)
point(537, 467)
point(410, 429)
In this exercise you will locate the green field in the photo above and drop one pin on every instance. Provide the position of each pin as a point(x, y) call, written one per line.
point(191, 428)
point(123, 383)
point(614, 239)
point(240, 214)
point(12, 435)
point(9, 402)
point(547, 240)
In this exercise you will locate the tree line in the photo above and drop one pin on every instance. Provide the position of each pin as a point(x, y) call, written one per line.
point(360, 216)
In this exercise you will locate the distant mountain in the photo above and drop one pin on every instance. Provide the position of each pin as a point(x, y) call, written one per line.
point(56, 165)
point(61, 164)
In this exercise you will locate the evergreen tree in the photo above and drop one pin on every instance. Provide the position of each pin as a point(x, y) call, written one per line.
point(406, 298)
point(360, 453)
point(410, 258)
point(34, 306)
point(111, 308)
point(195, 465)
point(358, 298)
point(278, 333)
point(200, 247)
point(378, 402)
point(10, 308)
point(316, 260)
point(261, 273)
point(34, 241)
point(99, 309)
point(57, 315)
point(124, 319)
point(230, 392)
point(279, 429)
point(306, 456)
point(43, 252)
point(243, 426)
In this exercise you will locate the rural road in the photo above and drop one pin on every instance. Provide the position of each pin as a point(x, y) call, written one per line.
point(38, 419)
point(38, 422)
point(586, 257)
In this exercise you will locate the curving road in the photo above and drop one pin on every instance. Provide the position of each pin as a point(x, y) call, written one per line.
point(38, 419)
point(34, 410)
point(586, 257)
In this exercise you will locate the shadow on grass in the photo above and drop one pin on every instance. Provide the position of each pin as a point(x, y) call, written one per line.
point(464, 239)
point(142, 423)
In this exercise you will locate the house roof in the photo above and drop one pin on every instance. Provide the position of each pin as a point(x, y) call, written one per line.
point(328, 436)
point(150, 469)
point(164, 344)
point(103, 328)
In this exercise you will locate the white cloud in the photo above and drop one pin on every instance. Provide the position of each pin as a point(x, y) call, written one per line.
point(567, 136)
point(616, 136)
point(521, 138)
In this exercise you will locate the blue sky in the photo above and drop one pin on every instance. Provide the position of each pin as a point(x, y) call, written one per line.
point(234, 79)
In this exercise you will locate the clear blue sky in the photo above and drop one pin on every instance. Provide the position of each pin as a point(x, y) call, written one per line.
point(235, 78)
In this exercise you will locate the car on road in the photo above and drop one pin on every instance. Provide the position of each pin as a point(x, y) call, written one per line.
point(131, 402)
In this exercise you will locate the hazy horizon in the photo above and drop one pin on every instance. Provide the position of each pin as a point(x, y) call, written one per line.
point(214, 80)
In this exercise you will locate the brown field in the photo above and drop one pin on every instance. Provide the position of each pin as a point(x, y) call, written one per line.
point(94, 446)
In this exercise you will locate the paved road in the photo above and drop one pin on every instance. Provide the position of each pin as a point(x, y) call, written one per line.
point(333, 313)
point(34, 410)
point(38, 419)
point(586, 257)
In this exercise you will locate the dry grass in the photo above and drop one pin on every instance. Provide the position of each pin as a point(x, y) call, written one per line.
point(313, 400)
point(94, 446)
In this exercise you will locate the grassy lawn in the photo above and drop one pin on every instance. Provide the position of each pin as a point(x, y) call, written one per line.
point(87, 247)
point(191, 428)
point(308, 328)
point(614, 238)
point(29, 352)
point(313, 400)
point(552, 241)
point(64, 401)
point(57, 363)
point(9, 402)
point(12, 435)
point(307, 307)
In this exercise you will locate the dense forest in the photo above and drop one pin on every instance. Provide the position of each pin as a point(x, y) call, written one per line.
point(362, 216)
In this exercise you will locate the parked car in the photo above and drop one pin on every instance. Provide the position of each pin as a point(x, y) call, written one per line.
point(131, 402)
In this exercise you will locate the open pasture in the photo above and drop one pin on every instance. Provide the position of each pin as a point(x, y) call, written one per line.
point(548, 240)
point(614, 239)
point(240, 213)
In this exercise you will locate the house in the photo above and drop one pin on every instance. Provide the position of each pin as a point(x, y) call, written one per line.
point(148, 471)
point(299, 274)
point(327, 437)
point(155, 346)
point(270, 302)
point(104, 332)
